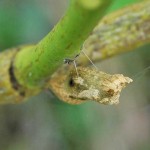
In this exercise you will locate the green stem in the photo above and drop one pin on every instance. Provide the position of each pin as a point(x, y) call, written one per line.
point(33, 66)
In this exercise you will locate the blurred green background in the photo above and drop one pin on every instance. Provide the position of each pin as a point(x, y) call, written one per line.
point(45, 123)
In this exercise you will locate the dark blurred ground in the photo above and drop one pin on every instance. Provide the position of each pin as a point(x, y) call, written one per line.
point(45, 123)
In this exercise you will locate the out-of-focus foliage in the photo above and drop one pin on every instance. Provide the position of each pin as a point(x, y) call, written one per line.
point(25, 22)
point(117, 4)
point(47, 123)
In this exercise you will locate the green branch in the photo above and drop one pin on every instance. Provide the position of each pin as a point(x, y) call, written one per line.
point(33, 66)
point(96, 47)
